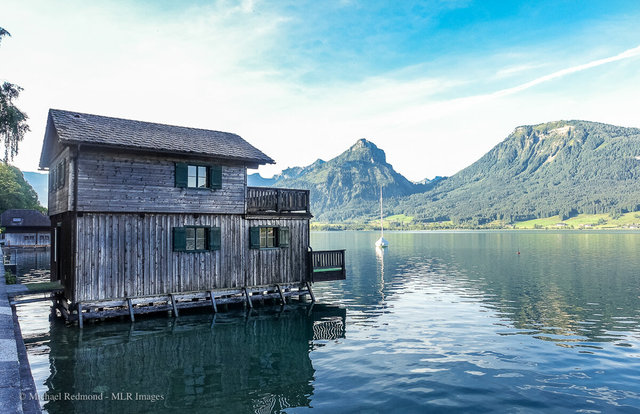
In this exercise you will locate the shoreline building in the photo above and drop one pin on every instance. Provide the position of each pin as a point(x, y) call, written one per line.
point(147, 217)
point(25, 228)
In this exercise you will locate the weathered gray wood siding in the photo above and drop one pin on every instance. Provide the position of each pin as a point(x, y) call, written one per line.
point(60, 200)
point(124, 255)
point(114, 182)
point(289, 263)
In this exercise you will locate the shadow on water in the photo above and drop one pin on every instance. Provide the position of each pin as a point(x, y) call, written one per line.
point(230, 362)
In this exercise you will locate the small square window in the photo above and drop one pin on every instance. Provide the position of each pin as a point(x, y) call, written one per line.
point(196, 176)
point(196, 238)
point(268, 237)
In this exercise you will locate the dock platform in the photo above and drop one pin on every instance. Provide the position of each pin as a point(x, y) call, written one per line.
point(15, 373)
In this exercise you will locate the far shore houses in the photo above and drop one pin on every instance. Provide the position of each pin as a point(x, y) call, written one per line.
point(147, 214)
point(25, 228)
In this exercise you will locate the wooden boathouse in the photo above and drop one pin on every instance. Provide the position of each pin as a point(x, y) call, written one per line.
point(148, 217)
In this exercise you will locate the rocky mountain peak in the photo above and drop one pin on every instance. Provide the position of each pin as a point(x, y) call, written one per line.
point(364, 150)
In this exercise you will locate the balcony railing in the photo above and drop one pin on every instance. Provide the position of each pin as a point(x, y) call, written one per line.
point(277, 200)
point(327, 265)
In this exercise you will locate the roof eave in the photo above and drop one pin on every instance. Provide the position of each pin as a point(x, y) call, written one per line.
point(49, 134)
point(246, 160)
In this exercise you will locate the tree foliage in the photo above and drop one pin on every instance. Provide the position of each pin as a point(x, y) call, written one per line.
point(3, 33)
point(13, 122)
point(16, 192)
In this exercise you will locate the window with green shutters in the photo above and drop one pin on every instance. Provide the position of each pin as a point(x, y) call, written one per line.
point(215, 238)
point(198, 176)
point(283, 236)
point(179, 239)
point(215, 176)
point(196, 239)
point(57, 176)
point(61, 173)
point(254, 237)
point(266, 237)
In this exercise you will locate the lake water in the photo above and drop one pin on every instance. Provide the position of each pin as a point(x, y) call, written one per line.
point(441, 322)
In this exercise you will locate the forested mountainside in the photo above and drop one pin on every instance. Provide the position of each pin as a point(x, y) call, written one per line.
point(562, 167)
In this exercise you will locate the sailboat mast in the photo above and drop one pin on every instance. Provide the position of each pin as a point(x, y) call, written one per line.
point(381, 226)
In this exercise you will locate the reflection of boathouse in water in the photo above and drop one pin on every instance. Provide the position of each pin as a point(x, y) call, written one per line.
point(152, 217)
point(229, 364)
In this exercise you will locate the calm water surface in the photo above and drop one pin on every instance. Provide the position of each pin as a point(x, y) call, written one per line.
point(441, 322)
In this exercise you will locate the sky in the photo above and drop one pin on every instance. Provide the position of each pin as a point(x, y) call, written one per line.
point(435, 84)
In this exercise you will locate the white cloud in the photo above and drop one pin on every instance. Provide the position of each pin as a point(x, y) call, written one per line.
point(517, 69)
point(205, 67)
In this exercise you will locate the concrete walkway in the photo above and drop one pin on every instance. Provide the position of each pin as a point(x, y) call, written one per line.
point(11, 380)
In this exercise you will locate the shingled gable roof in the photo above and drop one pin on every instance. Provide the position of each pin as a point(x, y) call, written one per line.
point(29, 218)
point(79, 128)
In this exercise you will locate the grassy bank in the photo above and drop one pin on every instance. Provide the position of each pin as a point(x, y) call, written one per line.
point(585, 221)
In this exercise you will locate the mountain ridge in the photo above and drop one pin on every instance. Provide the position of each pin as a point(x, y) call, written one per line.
point(353, 176)
point(554, 168)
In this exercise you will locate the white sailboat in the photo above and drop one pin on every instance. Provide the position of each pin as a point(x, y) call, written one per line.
point(382, 242)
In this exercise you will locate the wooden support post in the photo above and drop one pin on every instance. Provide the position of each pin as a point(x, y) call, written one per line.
point(133, 319)
point(284, 302)
point(246, 292)
point(313, 298)
point(213, 301)
point(173, 304)
point(80, 321)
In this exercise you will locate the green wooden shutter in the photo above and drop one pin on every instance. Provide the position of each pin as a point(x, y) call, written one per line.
point(283, 236)
point(215, 176)
point(179, 239)
point(54, 183)
point(182, 178)
point(215, 238)
point(254, 237)
point(62, 175)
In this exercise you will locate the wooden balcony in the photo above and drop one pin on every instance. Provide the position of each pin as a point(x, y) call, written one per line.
point(327, 265)
point(264, 200)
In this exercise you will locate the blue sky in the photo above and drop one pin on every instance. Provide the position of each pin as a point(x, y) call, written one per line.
point(436, 84)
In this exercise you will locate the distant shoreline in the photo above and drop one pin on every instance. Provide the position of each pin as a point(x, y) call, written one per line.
point(620, 221)
point(596, 230)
